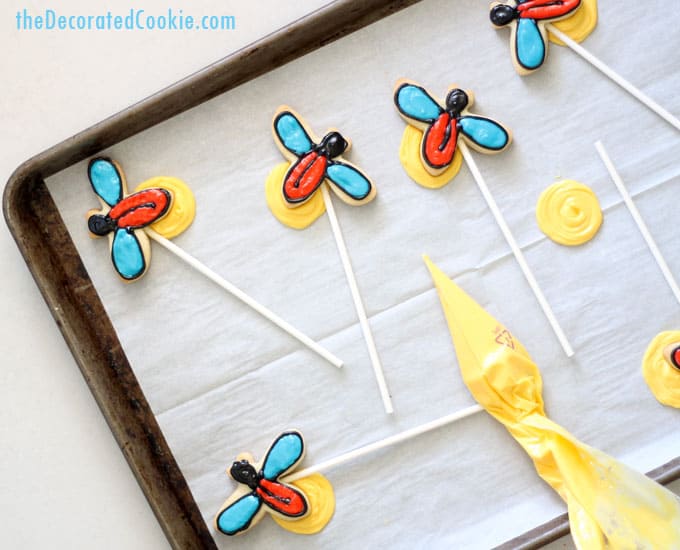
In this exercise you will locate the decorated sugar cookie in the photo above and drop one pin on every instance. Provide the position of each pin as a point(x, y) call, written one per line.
point(263, 491)
point(527, 20)
point(661, 368)
point(160, 208)
point(569, 213)
point(312, 162)
point(564, 22)
point(165, 204)
point(297, 194)
point(437, 127)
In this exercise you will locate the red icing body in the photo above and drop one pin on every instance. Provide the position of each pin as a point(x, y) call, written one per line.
point(282, 498)
point(141, 209)
point(546, 9)
point(675, 357)
point(305, 177)
point(440, 141)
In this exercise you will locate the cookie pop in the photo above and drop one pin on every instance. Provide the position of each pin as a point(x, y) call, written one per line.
point(441, 129)
point(531, 23)
point(297, 194)
point(303, 507)
point(159, 209)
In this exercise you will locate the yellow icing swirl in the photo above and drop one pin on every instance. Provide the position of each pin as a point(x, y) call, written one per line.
point(579, 26)
point(660, 374)
point(321, 498)
point(182, 209)
point(409, 155)
point(299, 217)
point(569, 213)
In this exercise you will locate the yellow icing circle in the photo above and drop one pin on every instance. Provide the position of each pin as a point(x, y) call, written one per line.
point(579, 26)
point(299, 217)
point(409, 155)
point(661, 376)
point(182, 209)
point(569, 213)
point(321, 498)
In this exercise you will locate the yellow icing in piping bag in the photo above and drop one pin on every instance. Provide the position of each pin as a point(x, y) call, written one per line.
point(609, 504)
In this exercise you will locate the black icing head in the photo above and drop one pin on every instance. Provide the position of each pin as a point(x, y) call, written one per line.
point(244, 472)
point(333, 144)
point(502, 14)
point(100, 225)
point(456, 101)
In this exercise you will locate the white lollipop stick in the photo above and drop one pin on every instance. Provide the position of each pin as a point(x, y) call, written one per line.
point(236, 292)
point(609, 72)
point(545, 306)
point(638, 220)
point(387, 442)
point(358, 304)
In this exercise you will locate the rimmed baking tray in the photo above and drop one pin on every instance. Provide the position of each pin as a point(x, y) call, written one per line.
point(44, 240)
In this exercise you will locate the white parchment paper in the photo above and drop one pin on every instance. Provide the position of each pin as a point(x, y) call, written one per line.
point(222, 380)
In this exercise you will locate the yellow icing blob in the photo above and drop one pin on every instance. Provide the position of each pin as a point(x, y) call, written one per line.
point(409, 155)
point(660, 374)
point(299, 217)
point(610, 505)
point(321, 498)
point(182, 209)
point(569, 213)
point(579, 26)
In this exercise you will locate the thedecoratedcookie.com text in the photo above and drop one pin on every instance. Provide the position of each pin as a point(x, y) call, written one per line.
point(130, 20)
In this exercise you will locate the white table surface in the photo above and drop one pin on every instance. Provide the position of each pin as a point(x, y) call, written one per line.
point(64, 478)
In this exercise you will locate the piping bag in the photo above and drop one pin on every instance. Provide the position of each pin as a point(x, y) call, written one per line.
point(609, 504)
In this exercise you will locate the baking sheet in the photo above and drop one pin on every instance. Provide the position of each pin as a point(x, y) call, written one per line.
point(221, 380)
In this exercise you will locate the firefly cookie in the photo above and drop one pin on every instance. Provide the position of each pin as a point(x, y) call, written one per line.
point(569, 213)
point(261, 490)
point(165, 204)
point(292, 194)
point(661, 368)
point(527, 20)
point(296, 196)
point(436, 127)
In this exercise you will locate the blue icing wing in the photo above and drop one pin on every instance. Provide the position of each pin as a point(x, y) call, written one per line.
point(127, 255)
point(484, 132)
point(238, 515)
point(529, 44)
point(414, 102)
point(284, 453)
point(292, 134)
point(106, 181)
point(349, 180)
